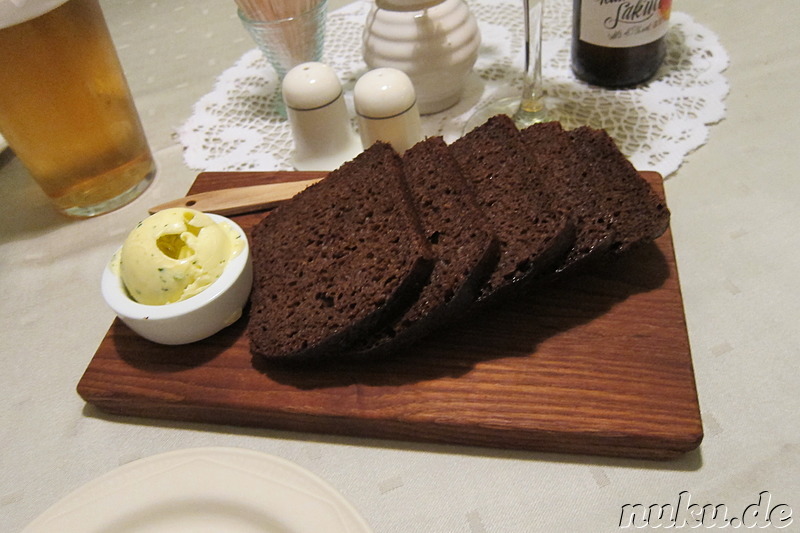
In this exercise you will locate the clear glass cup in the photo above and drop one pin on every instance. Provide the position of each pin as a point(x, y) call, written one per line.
point(287, 41)
point(65, 107)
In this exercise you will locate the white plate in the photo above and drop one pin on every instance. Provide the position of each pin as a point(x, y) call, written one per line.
point(3, 144)
point(204, 490)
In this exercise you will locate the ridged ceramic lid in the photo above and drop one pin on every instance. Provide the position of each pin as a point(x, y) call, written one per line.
point(310, 86)
point(383, 92)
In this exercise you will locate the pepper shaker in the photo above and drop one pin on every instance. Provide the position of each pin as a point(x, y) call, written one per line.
point(315, 106)
point(386, 105)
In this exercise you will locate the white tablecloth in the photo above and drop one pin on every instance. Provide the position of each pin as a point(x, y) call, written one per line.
point(735, 216)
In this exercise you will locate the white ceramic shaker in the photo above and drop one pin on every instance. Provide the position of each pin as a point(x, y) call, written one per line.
point(386, 106)
point(435, 42)
point(317, 112)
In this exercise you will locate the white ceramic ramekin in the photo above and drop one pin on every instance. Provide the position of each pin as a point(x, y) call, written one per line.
point(195, 318)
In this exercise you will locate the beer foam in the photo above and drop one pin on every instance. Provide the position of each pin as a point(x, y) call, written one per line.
point(15, 11)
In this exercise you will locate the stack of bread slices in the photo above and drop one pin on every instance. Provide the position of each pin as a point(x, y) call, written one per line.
point(388, 248)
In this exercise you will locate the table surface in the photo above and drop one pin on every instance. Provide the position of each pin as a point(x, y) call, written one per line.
point(734, 222)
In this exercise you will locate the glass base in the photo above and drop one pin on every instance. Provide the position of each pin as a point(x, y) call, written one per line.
point(114, 203)
point(507, 106)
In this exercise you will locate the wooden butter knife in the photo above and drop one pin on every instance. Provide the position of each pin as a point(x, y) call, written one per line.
point(239, 200)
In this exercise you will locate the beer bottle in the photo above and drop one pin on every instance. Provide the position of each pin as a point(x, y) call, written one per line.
point(618, 43)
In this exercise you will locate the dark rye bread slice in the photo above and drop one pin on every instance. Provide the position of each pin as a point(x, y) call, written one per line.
point(635, 213)
point(534, 235)
point(337, 261)
point(565, 174)
point(466, 249)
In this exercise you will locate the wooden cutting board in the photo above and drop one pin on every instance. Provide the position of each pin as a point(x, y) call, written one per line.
point(598, 364)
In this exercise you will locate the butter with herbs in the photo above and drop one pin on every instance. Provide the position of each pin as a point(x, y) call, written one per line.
point(175, 254)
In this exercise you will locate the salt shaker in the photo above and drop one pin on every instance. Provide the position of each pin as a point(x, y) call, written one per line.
point(386, 105)
point(315, 106)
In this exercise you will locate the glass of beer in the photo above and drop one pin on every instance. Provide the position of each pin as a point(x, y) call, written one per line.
point(65, 107)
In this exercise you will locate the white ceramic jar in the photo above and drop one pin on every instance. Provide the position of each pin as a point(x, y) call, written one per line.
point(435, 42)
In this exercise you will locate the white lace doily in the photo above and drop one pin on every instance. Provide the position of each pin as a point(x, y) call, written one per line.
point(238, 126)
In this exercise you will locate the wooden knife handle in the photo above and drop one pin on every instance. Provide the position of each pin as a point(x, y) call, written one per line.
point(240, 199)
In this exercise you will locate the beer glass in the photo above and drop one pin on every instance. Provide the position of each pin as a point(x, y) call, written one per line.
point(65, 107)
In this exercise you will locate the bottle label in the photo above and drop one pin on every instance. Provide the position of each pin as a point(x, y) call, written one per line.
point(623, 23)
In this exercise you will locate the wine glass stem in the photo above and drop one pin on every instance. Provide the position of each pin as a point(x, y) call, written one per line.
point(531, 101)
point(529, 109)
